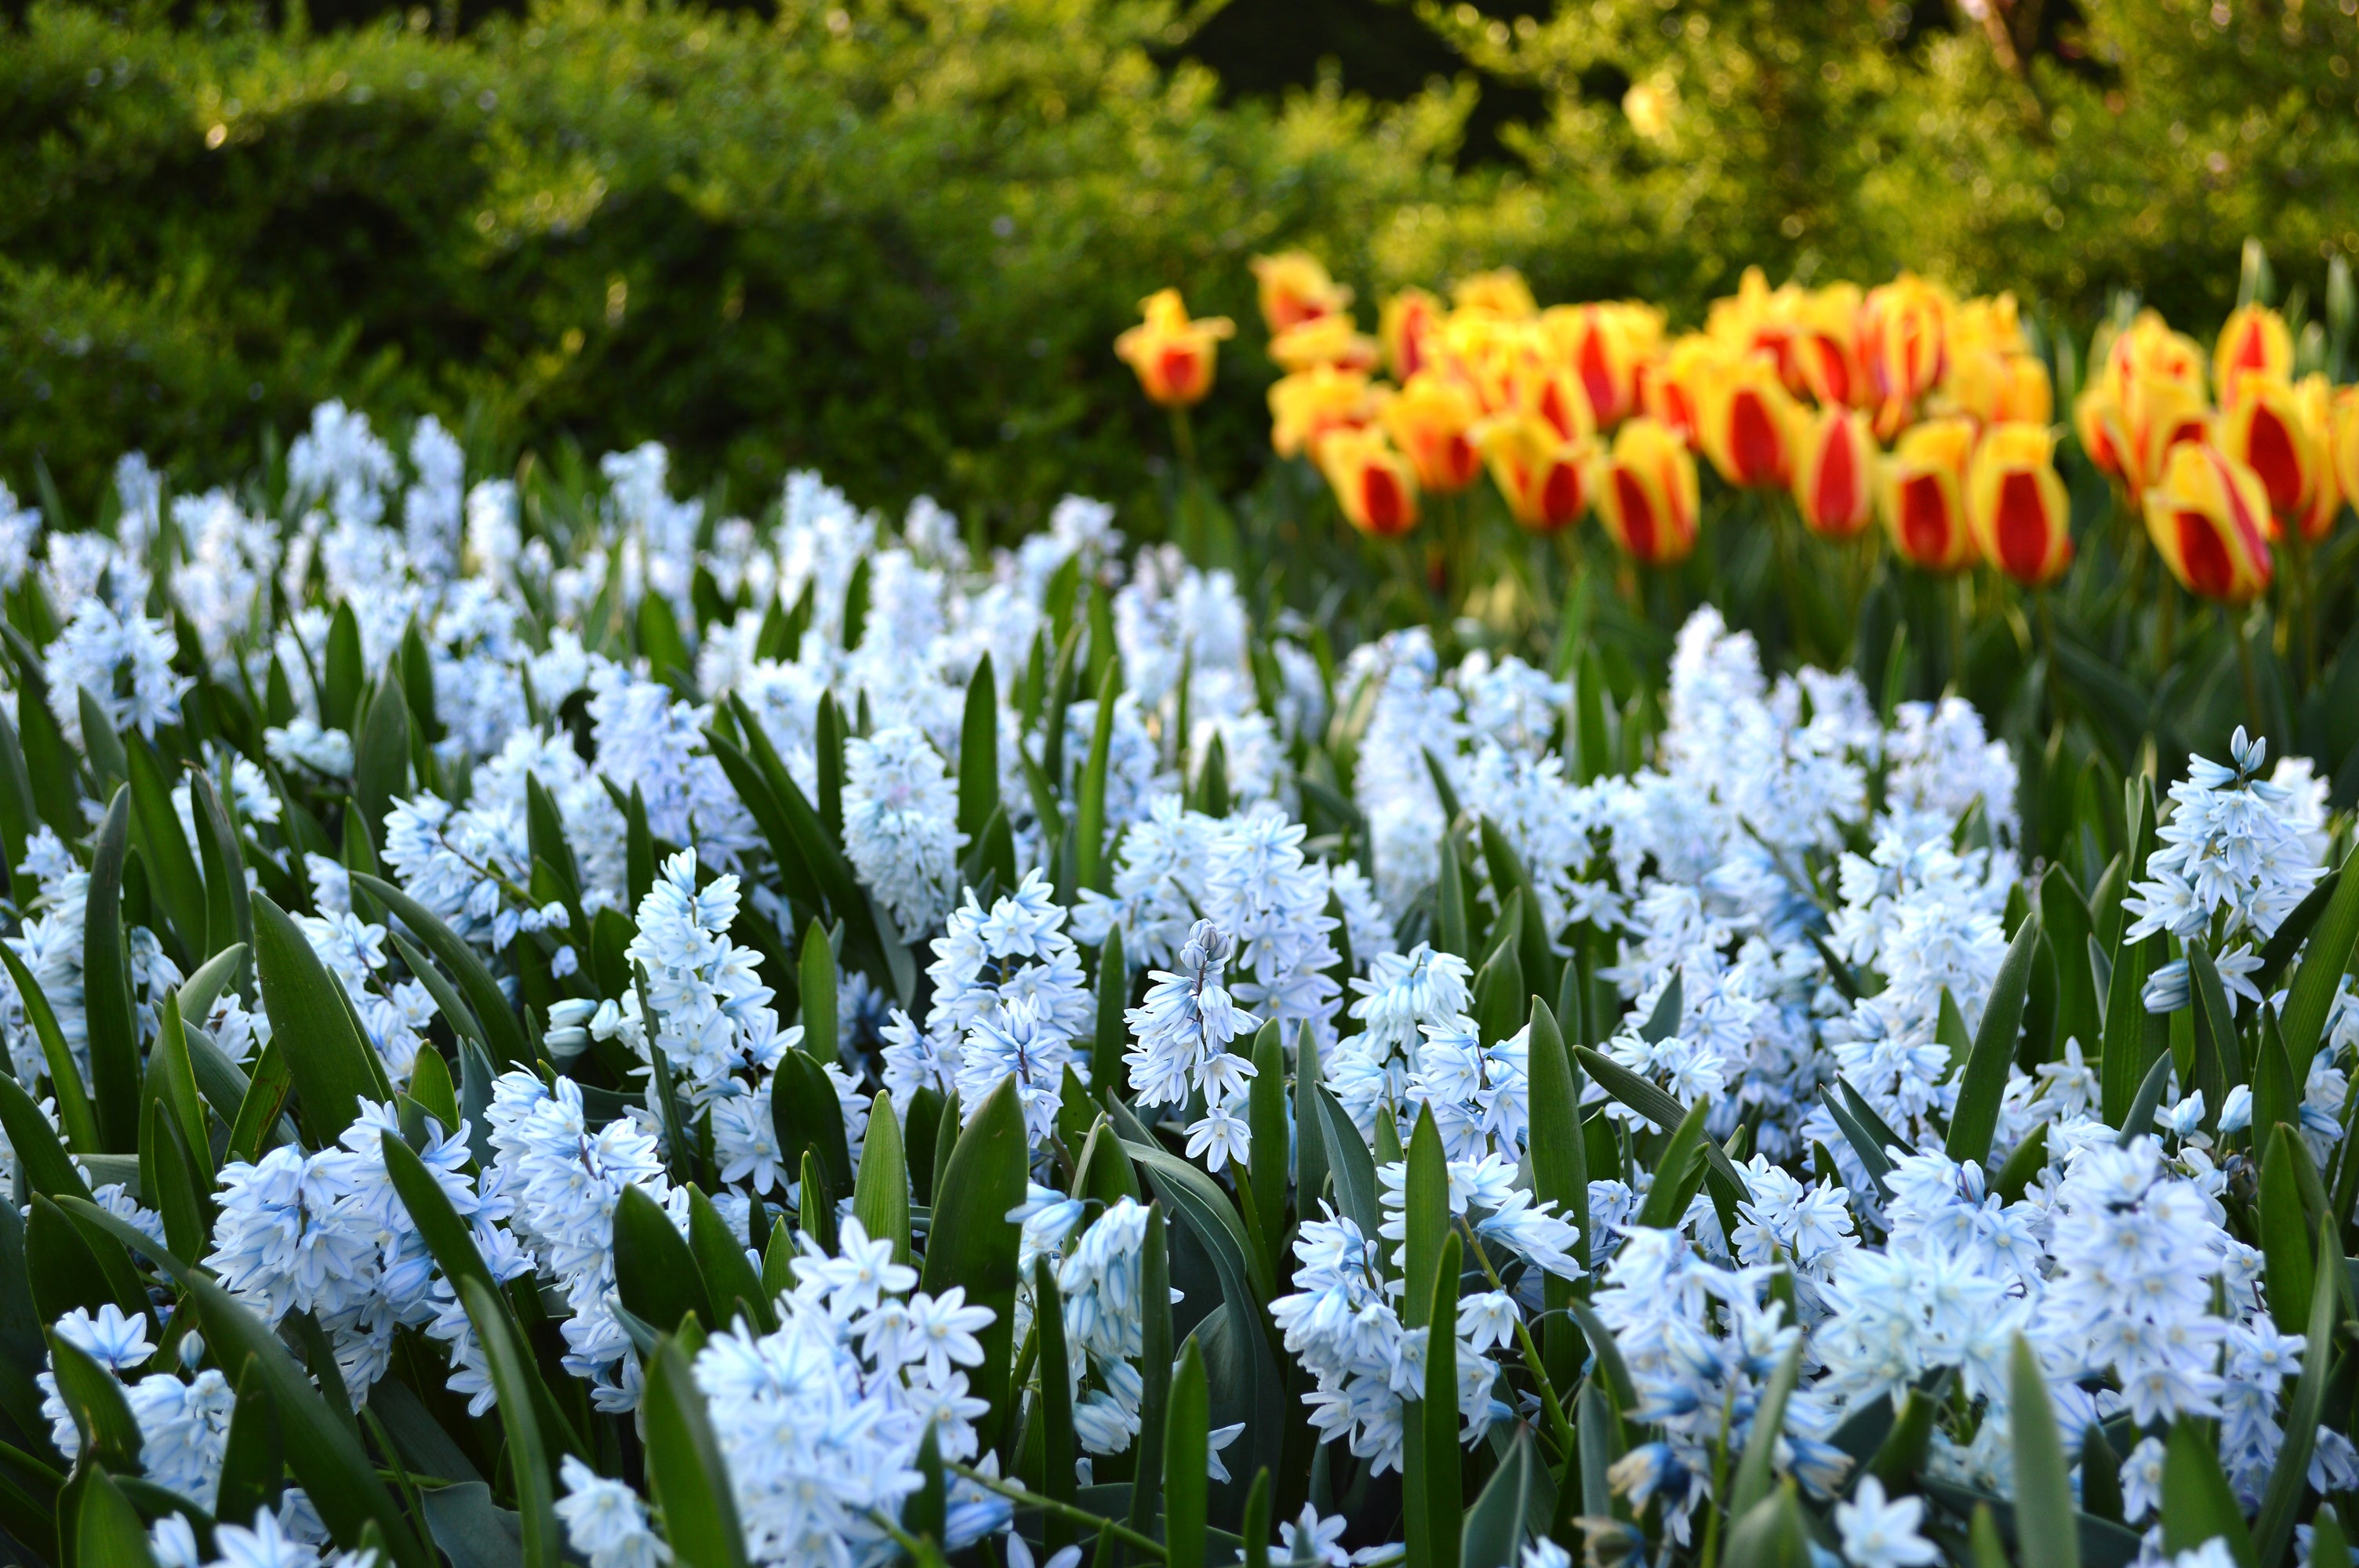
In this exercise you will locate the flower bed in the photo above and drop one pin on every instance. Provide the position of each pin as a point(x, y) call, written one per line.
point(544, 1022)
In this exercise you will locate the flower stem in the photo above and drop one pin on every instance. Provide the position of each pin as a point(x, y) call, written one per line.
point(1146, 1546)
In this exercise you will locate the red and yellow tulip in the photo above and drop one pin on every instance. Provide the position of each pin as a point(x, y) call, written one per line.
point(1373, 483)
point(1432, 421)
point(1647, 493)
point(2207, 519)
point(1923, 490)
point(1545, 476)
point(1172, 354)
point(1834, 473)
point(2016, 503)
point(1293, 287)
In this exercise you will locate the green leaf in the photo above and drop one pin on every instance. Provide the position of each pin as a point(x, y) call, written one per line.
point(2276, 1092)
point(1770, 1535)
point(529, 1458)
point(1266, 1109)
point(1983, 1079)
point(113, 1033)
point(1349, 1163)
point(1669, 1007)
point(1154, 1370)
point(163, 847)
point(971, 1244)
point(54, 771)
point(334, 1067)
point(200, 990)
point(2219, 1057)
point(1187, 1430)
point(2124, 1063)
point(880, 1194)
point(503, 1036)
point(1754, 1472)
point(654, 1272)
point(815, 978)
point(2273, 1531)
point(2064, 913)
point(1054, 1409)
point(1560, 1162)
point(978, 763)
point(730, 1280)
point(65, 1076)
point(2139, 1117)
point(2287, 940)
point(1494, 1532)
point(1949, 1031)
point(324, 1453)
point(108, 1528)
point(1678, 1172)
point(1112, 1036)
point(1425, 1216)
point(344, 672)
point(2030, 1158)
point(40, 1155)
point(2198, 1504)
point(64, 1266)
point(1655, 1105)
point(1433, 1463)
point(2319, 977)
point(2328, 1546)
point(1093, 868)
point(2046, 1531)
point(1450, 931)
point(266, 1100)
point(2101, 1475)
point(92, 1398)
point(254, 1462)
point(806, 1115)
point(685, 1475)
point(100, 743)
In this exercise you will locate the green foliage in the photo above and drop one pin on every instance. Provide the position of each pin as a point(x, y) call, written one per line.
point(898, 239)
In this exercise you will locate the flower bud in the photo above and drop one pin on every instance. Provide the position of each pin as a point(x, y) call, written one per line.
point(1923, 488)
point(2253, 338)
point(1834, 473)
point(1432, 420)
point(1294, 288)
point(1544, 475)
point(2016, 503)
point(1647, 493)
point(2206, 518)
point(1373, 484)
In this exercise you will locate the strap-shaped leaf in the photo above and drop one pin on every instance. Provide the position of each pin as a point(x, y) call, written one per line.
point(113, 1035)
point(2198, 1504)
point(265, 1101)
point(106, 1527)
point(324, 1453)
point(1093, 867)
point(2045, 1532)
point(1494, 1532)
point(163, 847)
point(254, 1462)
point(65, 1076)
point(880, 1195)
point(1054, 1409)
point(2273, 1531)
point(686, 1473)
point(1983, 1081)
point(503, 1036)
point(2319, 977)
point(1432, 1471)
point(729, 1279)
point(1754, 1473)
point(807, 1115)
point(1350, 1163)
point(655, 1272)
point(972, 1243)
point(40, 1155)
point(94, 1400)
point(529, 1456)
point(333, 1066)
point(1424, 1216)
point(1560, 1152)
point(978, 763)
point(1187, 1431)
point(1656, 1105)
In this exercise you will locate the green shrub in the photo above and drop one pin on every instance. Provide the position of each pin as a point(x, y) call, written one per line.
point(895, 241)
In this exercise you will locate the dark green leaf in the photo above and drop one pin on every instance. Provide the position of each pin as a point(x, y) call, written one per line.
point(686, 1474)
point(654, 1272)
point(163, 847)
point(529, 1456)
point(2319, 977)
point(1983, 1079)
point(972, 1243)
point(2045, 1532)
point(503, 1036)
point(1186, 1448)
point(74, 1111)
point(2198, 1504)
point(114, 1034)
point(880, 1195)
point(333, 1066)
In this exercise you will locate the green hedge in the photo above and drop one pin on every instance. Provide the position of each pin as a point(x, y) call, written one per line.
point(894, 241)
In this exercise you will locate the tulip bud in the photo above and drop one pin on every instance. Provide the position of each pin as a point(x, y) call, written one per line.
point(2151, 415)
point(1748, 423)
point(2344, 420)
point(1997, 388)
point(1605, 344)
point(1172, 354)
point(1502, 292)
point(2094, 415)
point(2017, 504)
point(2284, 434)
point(2253, 339)
point(1671, 389)
point(1904, 332)
point(1305, 406)
point(1834, 473)
point(1407, 324)
point(1295, 288)
point(1923, 488)
point(2206, 518)
point(1647, 493)
point(1330, 339)
point(1373, 484)
point(1544, 476)
point(1432, 420)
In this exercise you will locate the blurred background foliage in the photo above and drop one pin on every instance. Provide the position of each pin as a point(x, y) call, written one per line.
point(894, 239)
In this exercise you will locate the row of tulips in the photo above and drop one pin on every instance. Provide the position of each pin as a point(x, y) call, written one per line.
point(1901, 402)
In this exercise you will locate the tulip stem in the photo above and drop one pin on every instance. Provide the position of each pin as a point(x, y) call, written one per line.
point(1183, 439)
point(2252, 677)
